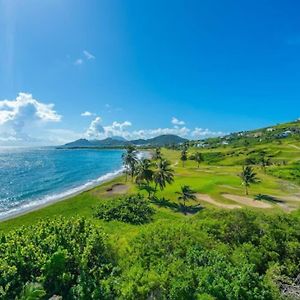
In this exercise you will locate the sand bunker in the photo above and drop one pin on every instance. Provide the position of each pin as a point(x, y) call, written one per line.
point(247, 201)
point(117, 189)
point(210, 200)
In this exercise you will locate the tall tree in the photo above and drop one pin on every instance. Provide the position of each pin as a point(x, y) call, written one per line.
point(163, 175)
point(130, 161)
point(183, 156)
point(185, 194)
point(264, 161)
point(144, 173)
point(157, 154)
point(248, 177)
point(198, 157)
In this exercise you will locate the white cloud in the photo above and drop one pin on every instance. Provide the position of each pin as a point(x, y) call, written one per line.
point(87, 114)
point(21, 117)
point(26, 107)
point(199, 133)
point(88, 55)
point(97, 131)
point(175, 121)
point(78, 62)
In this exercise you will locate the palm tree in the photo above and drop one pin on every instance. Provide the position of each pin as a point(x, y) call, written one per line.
point(163, 175)
point(157, 155)
point(198, 157)
point(143, 171)
point(186, 194)
point(130, 161)
point(183, 156)
point(248, 177)
point(264, 161)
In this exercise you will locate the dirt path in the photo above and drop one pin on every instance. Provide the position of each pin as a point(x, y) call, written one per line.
point(207, 198)
point(247, 201)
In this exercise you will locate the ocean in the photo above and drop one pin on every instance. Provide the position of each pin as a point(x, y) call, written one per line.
point(31, 177)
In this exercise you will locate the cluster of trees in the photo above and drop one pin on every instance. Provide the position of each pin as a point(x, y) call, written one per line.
point(260, 158)
point(232, 255)
point(197, 157)
point(148, 174)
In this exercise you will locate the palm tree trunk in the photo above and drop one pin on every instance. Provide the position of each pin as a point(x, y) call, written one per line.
point(246, 190)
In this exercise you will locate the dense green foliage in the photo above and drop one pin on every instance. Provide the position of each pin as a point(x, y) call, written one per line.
point(68, 258)
point(218, 254)
point(129, 209)
point(225, 255)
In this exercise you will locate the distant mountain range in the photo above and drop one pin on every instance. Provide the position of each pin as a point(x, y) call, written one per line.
point(116, 141)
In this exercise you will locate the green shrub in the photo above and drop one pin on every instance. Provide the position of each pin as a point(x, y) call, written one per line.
point(180, 262)
point(67, 258)
point(133, 209)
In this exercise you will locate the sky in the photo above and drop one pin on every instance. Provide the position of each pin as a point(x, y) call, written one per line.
point(92, 69)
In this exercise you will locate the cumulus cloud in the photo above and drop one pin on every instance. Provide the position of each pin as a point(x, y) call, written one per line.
point(175, 121)
point(87, 114)
point(97, 131)
point(88, 55)
point(25, 107)
point(19, 117)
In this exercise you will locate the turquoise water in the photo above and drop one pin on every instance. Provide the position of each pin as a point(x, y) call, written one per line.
point(30, 177)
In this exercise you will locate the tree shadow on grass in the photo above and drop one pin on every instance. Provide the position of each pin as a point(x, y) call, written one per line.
point(189, 210)
point(163, 202)
point(268, 198)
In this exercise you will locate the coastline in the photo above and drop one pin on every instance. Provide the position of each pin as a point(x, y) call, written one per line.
point(49, 200)
point(42, 203)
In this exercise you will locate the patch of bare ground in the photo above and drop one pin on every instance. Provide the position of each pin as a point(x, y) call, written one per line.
point(247, 201)
point(117, 189)
point(208, 199)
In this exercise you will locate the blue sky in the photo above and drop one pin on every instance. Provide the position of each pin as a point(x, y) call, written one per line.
point(141, 68)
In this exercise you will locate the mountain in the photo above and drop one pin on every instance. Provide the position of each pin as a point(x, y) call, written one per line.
point(119, 138)
point(161, 140)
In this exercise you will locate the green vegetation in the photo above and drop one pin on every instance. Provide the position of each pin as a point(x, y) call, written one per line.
point(129, 209)
point(221, 254)
point(248, 177)
point(216, 243)
point(186, 194)
point(70, 258)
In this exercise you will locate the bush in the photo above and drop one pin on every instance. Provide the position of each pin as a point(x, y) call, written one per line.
point(67, 258)
point(180, 262)
point(130, 209)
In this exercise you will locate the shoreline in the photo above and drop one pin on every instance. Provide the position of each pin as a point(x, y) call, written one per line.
point(40, 204)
